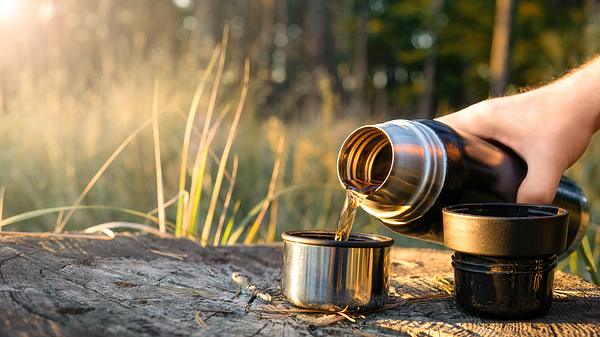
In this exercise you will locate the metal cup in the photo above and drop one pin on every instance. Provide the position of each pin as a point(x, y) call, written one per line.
point(321, 273)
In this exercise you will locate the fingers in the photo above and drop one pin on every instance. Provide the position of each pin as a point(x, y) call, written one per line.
point(539, 186)
point(495, 119)
point(476, 119)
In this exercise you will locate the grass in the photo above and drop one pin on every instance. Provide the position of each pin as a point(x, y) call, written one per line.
point(585, 261)
point(181, 145)
point(186, 143)
point(218, 173)
point(61, 223)
point(160, 195)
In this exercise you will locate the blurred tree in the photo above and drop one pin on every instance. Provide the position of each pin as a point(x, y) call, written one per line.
point(319, 47)
point(426, 104)
point(592, 28)
point(500, 58)
point(359, 75)
point(412, 59)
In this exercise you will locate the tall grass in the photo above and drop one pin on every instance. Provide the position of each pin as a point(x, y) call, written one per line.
point(1, 204)
point(585, 261)
point(174, 145)
point(160, 196)
point(186, 144)
point(179, 142)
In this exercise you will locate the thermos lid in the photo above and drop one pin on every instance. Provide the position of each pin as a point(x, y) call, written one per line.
point(505, 229)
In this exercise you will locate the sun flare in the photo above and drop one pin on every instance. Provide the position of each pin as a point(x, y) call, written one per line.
point(9, 8)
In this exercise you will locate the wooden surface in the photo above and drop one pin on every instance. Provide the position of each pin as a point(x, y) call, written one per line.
point(145, 286)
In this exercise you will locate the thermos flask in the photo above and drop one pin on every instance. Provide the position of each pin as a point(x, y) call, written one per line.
point(422, 166)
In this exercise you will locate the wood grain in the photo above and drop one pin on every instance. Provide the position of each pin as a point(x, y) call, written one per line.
point(146, 286)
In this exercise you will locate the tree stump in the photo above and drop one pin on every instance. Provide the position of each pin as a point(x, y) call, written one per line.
point(147, 286)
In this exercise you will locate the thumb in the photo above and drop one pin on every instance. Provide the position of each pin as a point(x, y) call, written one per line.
point(539, 186)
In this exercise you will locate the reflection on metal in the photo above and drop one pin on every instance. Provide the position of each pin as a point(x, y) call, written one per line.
point(504, 287)
point(422, 166)
point(407, 157)
point(321, 273)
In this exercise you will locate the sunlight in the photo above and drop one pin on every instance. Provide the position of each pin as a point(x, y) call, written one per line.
point(46, 10)
point(9, 8)
point(183, 4)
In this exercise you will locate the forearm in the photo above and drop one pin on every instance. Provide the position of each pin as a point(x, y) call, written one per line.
point(549, 127)
point(578, 94)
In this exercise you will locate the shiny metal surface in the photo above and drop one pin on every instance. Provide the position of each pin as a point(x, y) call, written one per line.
point(505, 229)
point(321, 273)
point(573, 199)
point(405, 158)
point(503, 287)
point(423, 166)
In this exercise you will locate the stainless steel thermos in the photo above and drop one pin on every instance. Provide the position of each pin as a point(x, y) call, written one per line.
point(425, 165)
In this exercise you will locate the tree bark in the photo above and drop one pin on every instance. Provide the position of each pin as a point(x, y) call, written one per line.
point(592, 27)
point(501, 47)
point(426, 107)
point(320, 54)
point(319, 40)
point(360, 66)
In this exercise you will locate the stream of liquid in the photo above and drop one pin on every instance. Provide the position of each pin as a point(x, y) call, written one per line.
point(354, 198)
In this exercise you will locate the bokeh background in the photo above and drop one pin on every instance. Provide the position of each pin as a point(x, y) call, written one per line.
point(80, 82)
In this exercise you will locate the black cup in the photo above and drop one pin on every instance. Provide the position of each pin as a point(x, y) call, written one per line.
point(505, 257)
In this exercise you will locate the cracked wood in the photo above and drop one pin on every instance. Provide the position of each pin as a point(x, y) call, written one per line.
point(145, 286)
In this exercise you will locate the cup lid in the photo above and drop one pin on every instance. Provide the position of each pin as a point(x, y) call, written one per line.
point(505, 229)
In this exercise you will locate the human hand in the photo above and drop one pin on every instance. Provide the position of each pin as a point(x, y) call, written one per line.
point(549, 127)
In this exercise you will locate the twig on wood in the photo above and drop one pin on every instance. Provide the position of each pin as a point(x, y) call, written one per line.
point(201, 322)
point(409, 264)
point(442, 283)
point(125, 284)
point(328, 320)
point(274, 309)
point(127, 225)
point(429, 297)
point(249, 303)
point(342, 313)
point(238, 292)
point(351, 316)
point(566, 292)
point(192, 291)
point(564, 295)
point(385, 307)
point(274, 316)
point(56, 235)
point(179, 257)
point(243, 282)
point(219, 311)
point(108, 232)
